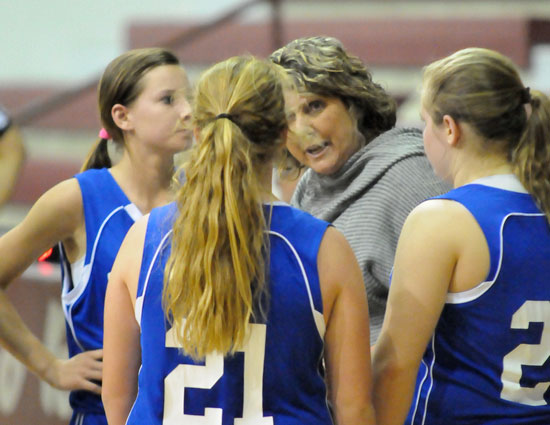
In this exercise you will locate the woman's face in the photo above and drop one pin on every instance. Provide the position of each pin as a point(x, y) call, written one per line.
point(322, 133)
point(161, 113)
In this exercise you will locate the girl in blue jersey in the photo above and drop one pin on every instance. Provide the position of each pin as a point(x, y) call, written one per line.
point(466, 335)
point(222, 306)
point(144, 113)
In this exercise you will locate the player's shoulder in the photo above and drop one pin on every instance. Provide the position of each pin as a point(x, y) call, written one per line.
point(290, 213)
point(436, 213)
point(65, 197)
point(437, 218)
point(294, 224)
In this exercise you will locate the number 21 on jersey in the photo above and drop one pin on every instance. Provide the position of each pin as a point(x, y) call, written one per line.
point(205, 377)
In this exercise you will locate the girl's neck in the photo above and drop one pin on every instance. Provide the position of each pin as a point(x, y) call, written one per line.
point(474, 167)
point(146, 180)
point(266, 181)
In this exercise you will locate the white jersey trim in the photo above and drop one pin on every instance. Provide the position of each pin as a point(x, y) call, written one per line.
point(80, 283)
point(79, 418)
point(133, 211)
point(317, 315)
point(135, 401)
point(138, 306)
point(508, 182)
point(279, 204)
point(415, 402)
point(429, 371)
point(77, 268)
point(479, 290)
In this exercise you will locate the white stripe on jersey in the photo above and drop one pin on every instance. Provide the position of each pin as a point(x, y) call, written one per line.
point(479, 290)
point(317, 316)
point(139, 299)
point(71, 291)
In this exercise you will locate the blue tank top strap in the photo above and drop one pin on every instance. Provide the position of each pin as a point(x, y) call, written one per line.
point(98, 184)
point(474, 197)
point(305, 233)
point(159, 224)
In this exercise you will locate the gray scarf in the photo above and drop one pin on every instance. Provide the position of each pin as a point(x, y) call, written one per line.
point(368, 200)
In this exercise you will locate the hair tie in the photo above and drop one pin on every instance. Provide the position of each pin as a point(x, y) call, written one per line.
point(224, 115)
point(103, 134)
point(526, 95)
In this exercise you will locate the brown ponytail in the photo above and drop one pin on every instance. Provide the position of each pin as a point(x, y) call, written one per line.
point(98, 157)
point(531, 157)
point(483, 88)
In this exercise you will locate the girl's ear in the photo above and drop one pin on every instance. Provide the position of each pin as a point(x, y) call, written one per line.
point(121, 117)
point(452, 130)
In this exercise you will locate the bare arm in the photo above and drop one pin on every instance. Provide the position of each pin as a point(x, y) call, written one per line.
point(425, 261)
point(12, 155)
point(347, 352)
point(122, 350)
point(54, 217)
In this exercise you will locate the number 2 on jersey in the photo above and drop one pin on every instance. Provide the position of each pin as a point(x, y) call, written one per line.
point(205, 377)
point(536, 355)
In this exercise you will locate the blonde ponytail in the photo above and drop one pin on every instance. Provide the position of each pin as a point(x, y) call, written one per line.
point(215, 279)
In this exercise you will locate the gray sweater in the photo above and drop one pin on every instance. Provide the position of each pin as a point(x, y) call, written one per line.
point(368, 200)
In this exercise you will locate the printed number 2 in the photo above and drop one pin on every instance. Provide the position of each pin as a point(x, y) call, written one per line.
point(530, 311)
point(205, 376)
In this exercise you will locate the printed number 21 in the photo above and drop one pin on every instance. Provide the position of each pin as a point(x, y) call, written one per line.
point(205, 376)
point(530, 311)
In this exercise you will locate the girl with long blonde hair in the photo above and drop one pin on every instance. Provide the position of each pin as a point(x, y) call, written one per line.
point(222, 306)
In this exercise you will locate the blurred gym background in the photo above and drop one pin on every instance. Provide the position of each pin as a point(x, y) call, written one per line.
point(53, 52)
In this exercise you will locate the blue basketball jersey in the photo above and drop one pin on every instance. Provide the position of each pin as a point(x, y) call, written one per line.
point(108, 216)
point(276, 377)
point(80, 418)
point(488, 361)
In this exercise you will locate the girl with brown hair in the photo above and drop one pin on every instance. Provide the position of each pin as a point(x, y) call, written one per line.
point(144, 112)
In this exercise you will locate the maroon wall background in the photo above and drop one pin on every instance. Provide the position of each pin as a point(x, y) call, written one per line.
point(24, 400)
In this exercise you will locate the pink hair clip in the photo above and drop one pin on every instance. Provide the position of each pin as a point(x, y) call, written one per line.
point(103, 134)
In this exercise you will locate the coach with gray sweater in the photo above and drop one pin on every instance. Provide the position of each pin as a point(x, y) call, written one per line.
point(364, 175)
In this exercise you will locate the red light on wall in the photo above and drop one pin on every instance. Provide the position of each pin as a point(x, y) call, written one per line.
point(46, 255)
